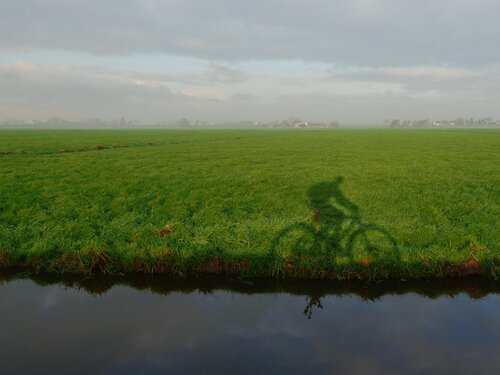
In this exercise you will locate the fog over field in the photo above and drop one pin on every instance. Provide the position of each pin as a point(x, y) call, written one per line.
point(353, 61)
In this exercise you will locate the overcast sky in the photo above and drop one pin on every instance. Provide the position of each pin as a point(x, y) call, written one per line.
point(355, 61)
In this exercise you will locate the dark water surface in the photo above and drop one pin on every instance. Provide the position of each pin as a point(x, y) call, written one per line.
point(221, 326)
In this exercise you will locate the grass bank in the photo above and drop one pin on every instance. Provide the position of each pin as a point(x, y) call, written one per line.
point(271, 203)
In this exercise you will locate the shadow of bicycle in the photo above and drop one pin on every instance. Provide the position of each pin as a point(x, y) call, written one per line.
point(335, 231)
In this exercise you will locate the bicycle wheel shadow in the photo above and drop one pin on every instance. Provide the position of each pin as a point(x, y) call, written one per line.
point(335, 230)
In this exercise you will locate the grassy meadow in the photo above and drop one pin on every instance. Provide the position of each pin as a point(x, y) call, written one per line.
point(273, 203)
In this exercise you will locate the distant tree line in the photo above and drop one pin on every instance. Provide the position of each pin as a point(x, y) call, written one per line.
point(291, 122)
point(426, 123)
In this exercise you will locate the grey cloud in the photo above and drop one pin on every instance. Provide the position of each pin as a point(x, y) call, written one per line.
point(481, 81)
point(292, 81)
point(364, 108)
point(30, 91)
point(222, 74)
point(380, 33)
point(244, 97)
point(213, 74)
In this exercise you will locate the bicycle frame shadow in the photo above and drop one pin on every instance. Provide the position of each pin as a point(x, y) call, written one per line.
point(335, 230)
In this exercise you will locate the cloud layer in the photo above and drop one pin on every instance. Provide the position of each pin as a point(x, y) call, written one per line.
point(349, 60)
point(363, 32)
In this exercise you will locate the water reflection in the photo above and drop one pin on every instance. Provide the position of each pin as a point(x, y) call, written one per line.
point(214, 325)
point(312, 302)
point(474, 287)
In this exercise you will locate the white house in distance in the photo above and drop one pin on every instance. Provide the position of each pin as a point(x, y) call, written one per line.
point(301, 125)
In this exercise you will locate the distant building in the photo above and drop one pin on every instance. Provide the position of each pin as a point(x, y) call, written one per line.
point(301, 125)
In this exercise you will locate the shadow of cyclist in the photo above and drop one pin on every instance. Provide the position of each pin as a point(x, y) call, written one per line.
point(336, 230)
point(320, 195)
point(330, 219)
point(338, 221)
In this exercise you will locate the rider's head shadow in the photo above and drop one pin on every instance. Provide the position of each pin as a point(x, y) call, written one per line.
point(329, 204)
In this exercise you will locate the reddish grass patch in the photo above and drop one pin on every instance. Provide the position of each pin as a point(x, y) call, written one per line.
point(315, 216)
point(468, 268)
point(65, 151)
point(289, 267)
point(4, 261)
point(5, 153)
point(213, 266)
point(166, 231)
point(140, 266)
point(37, 263)
point(365, 262)
point(236, 268)
point(99, 262)
point(68, 262)
point(162, 268)
point(163, 262)
point(135, 238)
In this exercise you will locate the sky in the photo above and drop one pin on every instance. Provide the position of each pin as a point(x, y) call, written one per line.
point(353, 61)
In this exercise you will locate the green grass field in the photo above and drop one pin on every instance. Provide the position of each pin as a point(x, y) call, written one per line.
point(274, 203)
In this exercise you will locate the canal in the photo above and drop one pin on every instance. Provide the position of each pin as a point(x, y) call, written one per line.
point(213, 325)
